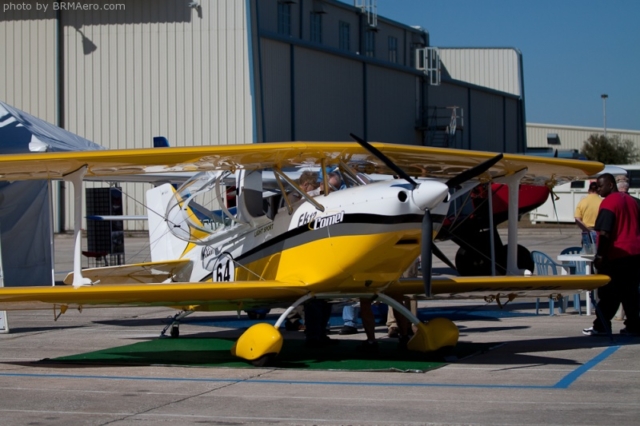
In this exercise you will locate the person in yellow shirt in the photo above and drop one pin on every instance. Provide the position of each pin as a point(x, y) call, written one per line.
point(587, 209)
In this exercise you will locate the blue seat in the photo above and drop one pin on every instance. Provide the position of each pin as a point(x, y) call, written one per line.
point(544, 265)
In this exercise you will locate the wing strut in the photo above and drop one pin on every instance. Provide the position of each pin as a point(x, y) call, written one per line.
point(302, 192)
point(513, 183)
point(492, 239)
point(76, 179)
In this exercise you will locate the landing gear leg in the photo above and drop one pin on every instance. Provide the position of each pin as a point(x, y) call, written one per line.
point(436, 334)
point(175, 324)
point(295, 304)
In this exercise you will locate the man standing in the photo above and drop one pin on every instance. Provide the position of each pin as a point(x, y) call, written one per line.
point(618, 256)
point(587, 209)
point(585, 215)
point(622, 183)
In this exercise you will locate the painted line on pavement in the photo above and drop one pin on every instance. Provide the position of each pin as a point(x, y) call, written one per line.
point(568, 380)
point(564, 383)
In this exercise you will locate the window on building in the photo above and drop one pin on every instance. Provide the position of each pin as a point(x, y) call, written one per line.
point(393, 49)
point(370, 44)
point(315, 27)
point(284, 18)
point(344, 36)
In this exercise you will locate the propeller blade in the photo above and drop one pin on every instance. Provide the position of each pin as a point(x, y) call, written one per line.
point(440, 255)
point(473, 172)
point(386, 160)
point(426, 252)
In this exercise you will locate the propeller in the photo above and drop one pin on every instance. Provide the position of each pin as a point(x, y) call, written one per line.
point(440, 255)
point(386, 160)
point(428, 249)
point(473, 172)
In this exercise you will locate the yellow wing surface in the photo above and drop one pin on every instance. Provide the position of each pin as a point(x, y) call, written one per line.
point(417, 161)
point(520, 285)
point(246, 294)
point(213, 296)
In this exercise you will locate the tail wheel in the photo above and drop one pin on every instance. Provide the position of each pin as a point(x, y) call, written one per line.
point(470, 263)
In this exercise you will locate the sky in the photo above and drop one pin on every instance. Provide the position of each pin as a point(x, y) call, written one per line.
point(573, 51)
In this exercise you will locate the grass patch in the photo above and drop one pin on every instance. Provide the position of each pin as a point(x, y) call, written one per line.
point(215, 352)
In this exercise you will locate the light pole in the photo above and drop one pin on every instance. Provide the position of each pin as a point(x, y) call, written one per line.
point(604, 97)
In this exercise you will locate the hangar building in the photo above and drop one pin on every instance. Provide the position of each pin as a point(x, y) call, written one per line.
point(229, 71)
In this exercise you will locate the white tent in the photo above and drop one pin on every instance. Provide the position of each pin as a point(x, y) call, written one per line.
point(25, 215)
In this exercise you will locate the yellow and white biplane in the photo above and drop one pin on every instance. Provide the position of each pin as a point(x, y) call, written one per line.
point(273, 249)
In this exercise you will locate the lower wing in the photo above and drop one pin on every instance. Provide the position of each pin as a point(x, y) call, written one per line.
point(454, 286)
point(248, 294)
point(190, 296)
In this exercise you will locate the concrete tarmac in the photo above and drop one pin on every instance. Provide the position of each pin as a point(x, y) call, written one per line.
point(542, 372)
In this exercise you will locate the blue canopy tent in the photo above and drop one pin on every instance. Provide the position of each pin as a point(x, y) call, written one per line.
point(26, 231)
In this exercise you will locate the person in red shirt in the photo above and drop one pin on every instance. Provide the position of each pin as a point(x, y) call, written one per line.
point(618, 255)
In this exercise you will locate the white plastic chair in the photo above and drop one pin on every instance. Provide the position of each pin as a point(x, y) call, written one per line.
point(579, 268)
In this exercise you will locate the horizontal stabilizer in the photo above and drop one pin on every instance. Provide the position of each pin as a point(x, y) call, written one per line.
point(137, 273)
point(114, 217)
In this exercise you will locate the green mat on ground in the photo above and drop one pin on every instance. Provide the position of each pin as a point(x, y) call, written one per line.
point(215, 352)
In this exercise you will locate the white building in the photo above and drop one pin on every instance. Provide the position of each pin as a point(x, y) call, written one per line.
point(571, 137)
point(562, 208)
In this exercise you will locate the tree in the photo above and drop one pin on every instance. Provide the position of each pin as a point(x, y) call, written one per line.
point(610, 150)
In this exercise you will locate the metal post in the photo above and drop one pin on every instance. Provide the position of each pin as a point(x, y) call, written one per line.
point(604, 97)
point(4, 321)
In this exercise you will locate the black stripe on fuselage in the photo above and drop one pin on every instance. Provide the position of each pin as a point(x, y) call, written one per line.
point(353, 224)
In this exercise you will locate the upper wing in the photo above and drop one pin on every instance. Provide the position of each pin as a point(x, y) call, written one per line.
point(215, 296)
point(520, 285)
point(416, 160)
point(447, 163)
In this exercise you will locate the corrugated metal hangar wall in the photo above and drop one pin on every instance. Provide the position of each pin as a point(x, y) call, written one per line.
point(314, 85)
point(120, 77)
point(231, 71)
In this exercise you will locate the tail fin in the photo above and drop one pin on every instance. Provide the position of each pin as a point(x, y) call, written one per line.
point(163, 243)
